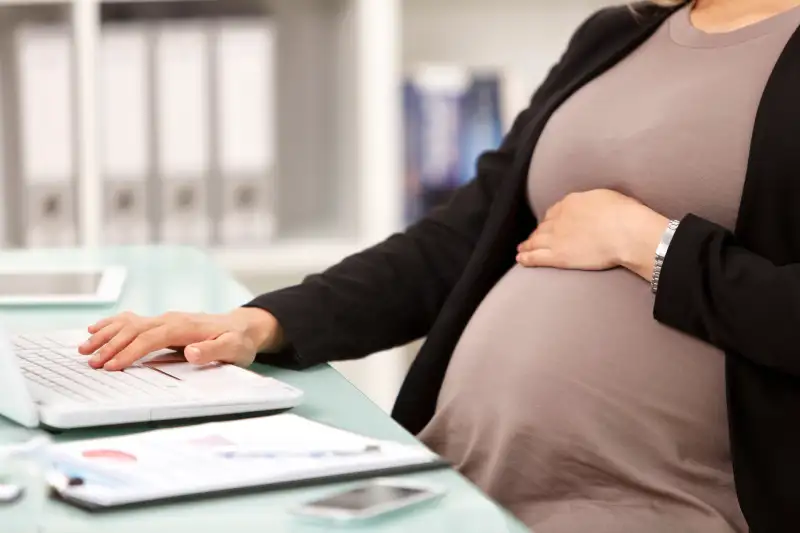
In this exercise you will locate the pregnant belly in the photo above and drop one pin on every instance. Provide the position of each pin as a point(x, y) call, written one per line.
point(564, 384)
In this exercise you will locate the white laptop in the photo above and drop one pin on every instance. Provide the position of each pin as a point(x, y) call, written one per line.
point(46, 382)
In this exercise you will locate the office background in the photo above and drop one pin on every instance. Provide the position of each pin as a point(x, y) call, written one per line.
point(269, 133)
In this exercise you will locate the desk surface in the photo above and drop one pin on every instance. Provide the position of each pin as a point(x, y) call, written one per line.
point(164, 278)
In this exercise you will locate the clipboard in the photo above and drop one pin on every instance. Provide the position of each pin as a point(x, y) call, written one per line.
point(77, 501)
point(223, 458)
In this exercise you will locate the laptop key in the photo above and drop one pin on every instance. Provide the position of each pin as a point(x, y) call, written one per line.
point(67, 373)
point(44, 394)
point(23, 343)
point(70, 338)
point(70, 353)
point(68, 388)
point(143, 387)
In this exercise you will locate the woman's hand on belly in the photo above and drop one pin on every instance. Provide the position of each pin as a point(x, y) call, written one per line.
point(595, 230)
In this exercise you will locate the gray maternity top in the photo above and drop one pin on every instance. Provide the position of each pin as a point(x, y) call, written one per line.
point(564, 400)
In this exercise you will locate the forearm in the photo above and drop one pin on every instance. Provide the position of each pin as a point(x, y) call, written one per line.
point(382, 297)
point(715, 289)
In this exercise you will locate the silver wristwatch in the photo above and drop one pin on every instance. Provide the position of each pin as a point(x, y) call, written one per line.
point(661, 252)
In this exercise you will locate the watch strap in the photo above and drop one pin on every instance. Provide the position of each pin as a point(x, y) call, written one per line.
point(661, 253)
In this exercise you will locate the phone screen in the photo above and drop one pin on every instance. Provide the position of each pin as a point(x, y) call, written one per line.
point(363, 498)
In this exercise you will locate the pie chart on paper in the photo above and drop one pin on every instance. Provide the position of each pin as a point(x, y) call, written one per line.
point(110, 455)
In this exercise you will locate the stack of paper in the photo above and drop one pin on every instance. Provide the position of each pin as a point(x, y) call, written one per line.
point(268, 452)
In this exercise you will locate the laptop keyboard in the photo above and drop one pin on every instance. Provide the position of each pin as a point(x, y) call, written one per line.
point(54, 370)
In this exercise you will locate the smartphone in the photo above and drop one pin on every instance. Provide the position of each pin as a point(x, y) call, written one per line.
point(369, 500)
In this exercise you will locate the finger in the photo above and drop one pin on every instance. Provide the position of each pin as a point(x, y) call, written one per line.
point(227, 348)
point(541, 238)
point(186, 328)
point(119, 342)
point(146, 342)
point(543, 226)
point(100, 338)
point(542, 257)
point(169, 330)
point(100, 324)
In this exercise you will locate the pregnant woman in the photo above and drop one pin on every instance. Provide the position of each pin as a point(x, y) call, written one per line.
point(612, 306)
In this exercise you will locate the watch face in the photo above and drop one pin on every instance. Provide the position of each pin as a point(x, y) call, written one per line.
point(666, 239)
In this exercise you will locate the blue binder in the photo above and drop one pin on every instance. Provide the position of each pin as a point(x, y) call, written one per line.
point(445, 132)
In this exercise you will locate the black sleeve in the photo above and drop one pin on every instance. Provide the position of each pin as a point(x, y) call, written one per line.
point(391, 293)
point(714, 289)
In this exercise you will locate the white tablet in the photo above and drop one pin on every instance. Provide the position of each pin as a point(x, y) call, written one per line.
point(65, 285)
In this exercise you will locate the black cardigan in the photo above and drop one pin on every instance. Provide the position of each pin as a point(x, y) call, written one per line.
point(738, 291)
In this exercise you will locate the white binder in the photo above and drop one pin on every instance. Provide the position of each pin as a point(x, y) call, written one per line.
point(182, 112)
point(246, 107)
point(124, 131)
point(46, 123)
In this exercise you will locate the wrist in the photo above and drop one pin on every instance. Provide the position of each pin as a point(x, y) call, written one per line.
point(261, 328)
point(639, 241)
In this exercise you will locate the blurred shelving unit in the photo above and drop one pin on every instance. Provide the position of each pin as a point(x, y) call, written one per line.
point(337, 114)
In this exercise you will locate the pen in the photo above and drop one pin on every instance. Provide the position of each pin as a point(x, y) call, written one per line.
point(292, 454)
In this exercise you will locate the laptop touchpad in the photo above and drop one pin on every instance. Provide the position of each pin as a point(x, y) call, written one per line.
point(213, 376)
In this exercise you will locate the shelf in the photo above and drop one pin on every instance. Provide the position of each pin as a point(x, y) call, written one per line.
point(289, 257)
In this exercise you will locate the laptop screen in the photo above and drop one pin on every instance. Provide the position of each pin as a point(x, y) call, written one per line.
point(44, 284)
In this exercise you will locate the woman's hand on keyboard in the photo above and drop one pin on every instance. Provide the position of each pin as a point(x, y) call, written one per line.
point(235, 337)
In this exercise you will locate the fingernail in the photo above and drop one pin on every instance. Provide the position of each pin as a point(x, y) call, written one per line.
point(111, 365)
point(519, 257)
point(191, 353)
